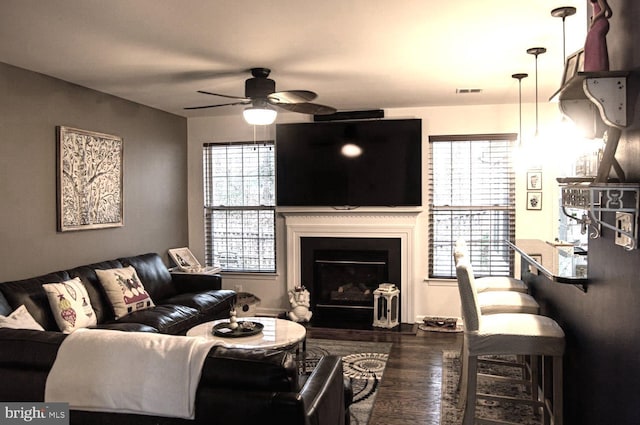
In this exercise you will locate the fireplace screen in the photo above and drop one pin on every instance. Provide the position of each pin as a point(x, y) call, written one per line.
point(348, 282)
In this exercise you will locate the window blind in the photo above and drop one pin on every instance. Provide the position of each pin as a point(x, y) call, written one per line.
point(239, 206)
point(471, 196)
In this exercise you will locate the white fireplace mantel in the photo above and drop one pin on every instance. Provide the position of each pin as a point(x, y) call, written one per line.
point(355, 224)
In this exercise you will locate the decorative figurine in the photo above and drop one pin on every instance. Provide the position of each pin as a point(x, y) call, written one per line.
point(300, 302)
point(596, 55)
point(233, 322)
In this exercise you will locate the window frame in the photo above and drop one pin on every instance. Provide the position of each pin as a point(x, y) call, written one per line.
point(477, 248)
point(210, 208)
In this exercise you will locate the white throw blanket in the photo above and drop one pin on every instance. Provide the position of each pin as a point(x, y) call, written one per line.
point(129, 372)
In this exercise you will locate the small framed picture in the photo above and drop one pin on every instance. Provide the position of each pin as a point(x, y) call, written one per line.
point(573, 65)
point(184, 259)
point(534, 200)
point(580, 63)
point(534, 180)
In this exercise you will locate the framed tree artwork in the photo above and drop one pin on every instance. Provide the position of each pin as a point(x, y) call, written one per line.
point(89, 181)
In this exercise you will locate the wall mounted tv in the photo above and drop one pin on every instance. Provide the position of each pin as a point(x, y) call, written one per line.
point(349, 163)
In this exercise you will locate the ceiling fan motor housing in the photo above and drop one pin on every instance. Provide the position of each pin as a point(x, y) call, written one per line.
point(259, 87)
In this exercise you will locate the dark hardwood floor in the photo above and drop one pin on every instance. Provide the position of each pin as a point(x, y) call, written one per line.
point(410, 389)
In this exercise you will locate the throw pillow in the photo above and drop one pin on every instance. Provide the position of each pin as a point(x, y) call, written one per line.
point(20, 319)
point(124, 290)
point(70, 305)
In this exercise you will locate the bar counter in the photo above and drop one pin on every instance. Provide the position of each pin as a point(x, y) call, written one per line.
point(557, 261)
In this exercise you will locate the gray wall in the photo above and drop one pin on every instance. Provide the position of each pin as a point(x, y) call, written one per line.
point(602, 326)
point(155, 175)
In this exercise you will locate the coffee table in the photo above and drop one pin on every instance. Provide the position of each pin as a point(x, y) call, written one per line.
point(277, 333)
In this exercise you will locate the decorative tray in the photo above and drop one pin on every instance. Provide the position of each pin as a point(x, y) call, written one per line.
point(245, 328)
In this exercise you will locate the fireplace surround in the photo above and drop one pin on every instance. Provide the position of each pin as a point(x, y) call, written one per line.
point(378, 226)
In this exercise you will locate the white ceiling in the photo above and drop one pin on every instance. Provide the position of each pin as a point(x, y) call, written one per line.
point(356, 54)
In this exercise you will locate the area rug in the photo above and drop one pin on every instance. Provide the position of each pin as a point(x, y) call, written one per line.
point(509, 412)
point(363, 363)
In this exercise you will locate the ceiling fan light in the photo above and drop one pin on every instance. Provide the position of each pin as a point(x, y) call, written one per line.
point(259, 116)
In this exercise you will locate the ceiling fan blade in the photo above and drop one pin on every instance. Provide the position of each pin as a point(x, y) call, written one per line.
point(223, 104)
point(292, 96)
point(308, 108)
point(224, 95)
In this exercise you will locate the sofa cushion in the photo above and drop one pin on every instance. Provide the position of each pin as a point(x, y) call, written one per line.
point(31, 294)
point(167, 318)
point(70, 304)
point(212, 304)
point(126, 327)
point(153, 273)
point(125, 290)
point(20, 319)
point(5, 308)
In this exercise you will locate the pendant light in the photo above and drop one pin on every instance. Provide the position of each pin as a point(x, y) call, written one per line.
point(563, 12)
point(519, 77)
point(536, 51)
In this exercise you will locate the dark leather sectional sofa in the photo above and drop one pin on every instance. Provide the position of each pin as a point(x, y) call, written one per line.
point(237, 386)
point(181, 300)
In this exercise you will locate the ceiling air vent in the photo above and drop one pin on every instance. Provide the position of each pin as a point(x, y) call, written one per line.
point(467, 91)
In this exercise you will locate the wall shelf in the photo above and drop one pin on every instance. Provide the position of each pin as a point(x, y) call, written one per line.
point(601, 105)
point(606, 90)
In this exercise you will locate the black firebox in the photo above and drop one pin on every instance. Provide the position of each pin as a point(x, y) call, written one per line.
point(341, 275)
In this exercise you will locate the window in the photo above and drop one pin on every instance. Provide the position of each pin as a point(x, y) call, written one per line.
point(472, 196)
point(239, 206)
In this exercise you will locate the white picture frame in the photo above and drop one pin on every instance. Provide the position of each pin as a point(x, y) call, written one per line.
point(184, 259)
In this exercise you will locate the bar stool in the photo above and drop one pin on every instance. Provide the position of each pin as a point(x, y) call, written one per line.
point(507, 334)
point(496, 302)
point(489, 283)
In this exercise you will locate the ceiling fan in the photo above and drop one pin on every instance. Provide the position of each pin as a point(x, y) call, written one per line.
point(260, 92)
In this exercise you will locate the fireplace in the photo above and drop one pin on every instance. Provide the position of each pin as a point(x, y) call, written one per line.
point(373, 224)
point(342, 273)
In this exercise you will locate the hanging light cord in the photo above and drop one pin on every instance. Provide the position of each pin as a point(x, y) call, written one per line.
point(536, 51)
point(536, 95)
point(563, 12)
point(564, 40)
point(520, 77)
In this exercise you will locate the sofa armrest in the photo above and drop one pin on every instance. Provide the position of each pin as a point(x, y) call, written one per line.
point(321, 397)
point(250, 369)
point(320, 401)
point(29, 349)
point(192, 282)
point(26, 356)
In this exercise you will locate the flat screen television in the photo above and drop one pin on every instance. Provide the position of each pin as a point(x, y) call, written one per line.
point(349, 163)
